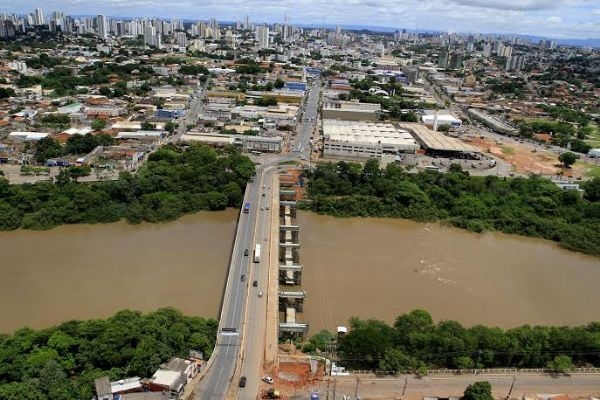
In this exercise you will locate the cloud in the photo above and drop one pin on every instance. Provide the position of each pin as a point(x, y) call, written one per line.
point(553, 20)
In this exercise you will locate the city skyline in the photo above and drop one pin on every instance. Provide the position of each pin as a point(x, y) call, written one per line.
point(561, 19)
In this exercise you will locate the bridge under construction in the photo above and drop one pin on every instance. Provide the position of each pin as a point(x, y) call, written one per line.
point(291, 295)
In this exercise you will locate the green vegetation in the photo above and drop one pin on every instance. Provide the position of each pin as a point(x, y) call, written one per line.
point(56, 119)
point(526, 206)
point(62, 362)
point(5, 93)
point(77, 144)
point(175, 181)
point(193, 70)
point(30, 170)
point(414, 341)
point(63, 81)
point(567, 158)
point(266, 101)
point(98, 124)
point(481, 390)
point(593, 135)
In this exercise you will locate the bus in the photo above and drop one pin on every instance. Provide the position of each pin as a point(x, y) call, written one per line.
point(257, 253)
point(246, 208)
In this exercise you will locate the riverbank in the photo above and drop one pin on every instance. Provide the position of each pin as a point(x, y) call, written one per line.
point(530, 207)
point(175, 181)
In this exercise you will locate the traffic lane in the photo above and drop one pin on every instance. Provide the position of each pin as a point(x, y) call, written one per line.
point(256, 322)
point(218, 379)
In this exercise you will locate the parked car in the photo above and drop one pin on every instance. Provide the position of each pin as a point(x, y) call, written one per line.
point(260, 293)
point(255, 283)
point(242, 381)
point(267, 379)
point(246, 252)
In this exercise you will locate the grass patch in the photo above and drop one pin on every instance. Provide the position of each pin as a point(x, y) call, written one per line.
point(591, 170)
point(594, 138)
point(290, 162)
point(509, 151)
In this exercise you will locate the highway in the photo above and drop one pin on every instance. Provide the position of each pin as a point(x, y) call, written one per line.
point(242, 309)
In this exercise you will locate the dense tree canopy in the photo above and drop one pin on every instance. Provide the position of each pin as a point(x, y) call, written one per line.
point(61, 362)
point(174, 181)
point(525, 206)
point(415, 340)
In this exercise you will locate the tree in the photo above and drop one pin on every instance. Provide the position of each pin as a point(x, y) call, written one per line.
point(5, 93)
point(560, 364)
point(46, 148)
point(279, 83)
point(147, 126)
point(592, 189)
point(567, 158)
point(105, 91)
point(98, 124)
point(170, 126)
point(443, 128)
point(395, 361)
point(478, 391)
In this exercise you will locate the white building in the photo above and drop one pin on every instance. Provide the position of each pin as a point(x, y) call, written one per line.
point(361, 139)
point(181, 39)
point(262, 36)
point(434, 119)
point(102, 23)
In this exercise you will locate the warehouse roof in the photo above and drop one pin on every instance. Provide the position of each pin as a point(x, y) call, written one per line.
point(438, 141)
point(366, 132)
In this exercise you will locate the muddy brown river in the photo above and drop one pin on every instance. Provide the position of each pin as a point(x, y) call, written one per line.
point(372, 268)
point(380, 268)
point(92, 271)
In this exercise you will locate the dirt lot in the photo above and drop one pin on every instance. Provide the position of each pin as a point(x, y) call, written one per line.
point(295, 172)
point(526, 158)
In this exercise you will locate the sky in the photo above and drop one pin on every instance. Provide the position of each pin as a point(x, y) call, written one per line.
point(578, 19)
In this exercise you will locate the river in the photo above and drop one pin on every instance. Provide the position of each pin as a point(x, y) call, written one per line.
point(92, 271)
point(380, 268)
point(372, 268)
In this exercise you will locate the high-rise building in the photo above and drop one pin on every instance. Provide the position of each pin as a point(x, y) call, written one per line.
point(181, 39)
point(262, 36)
point(102, 26)
point(38, 17)
point(151, 36)
point(515, 63)
point(487, 50)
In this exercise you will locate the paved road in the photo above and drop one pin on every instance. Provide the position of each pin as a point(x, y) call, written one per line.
point(217, 381)
point(241, 298)
point(409, 387)
point(256, 307)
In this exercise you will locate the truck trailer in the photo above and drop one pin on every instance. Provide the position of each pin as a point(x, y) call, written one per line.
point(257, 253)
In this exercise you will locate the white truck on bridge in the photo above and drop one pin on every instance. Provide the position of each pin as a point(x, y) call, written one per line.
point(257, 253)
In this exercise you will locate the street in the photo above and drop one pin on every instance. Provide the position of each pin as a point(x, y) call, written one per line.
point(409, 387)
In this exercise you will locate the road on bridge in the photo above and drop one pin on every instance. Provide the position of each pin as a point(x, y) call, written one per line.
point(241, 297)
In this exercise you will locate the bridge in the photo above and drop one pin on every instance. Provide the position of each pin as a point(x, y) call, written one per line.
point(248, 329)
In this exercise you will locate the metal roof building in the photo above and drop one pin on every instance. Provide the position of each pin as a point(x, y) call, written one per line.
point(438, 142)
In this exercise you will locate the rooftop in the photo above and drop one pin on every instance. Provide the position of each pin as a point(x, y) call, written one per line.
point(366, 132)
point(437, 141)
